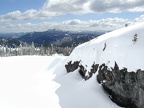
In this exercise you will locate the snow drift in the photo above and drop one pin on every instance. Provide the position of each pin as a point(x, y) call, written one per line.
point(119, 58)
point(114, 46)
point(42, 82)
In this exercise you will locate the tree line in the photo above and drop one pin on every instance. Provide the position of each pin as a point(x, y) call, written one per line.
point(26, 49)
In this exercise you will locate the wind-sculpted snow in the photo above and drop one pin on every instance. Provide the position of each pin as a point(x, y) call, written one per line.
point(119, 46)
point(124, 47)
point(26, 82)
point(75, 92)
point(43, 82)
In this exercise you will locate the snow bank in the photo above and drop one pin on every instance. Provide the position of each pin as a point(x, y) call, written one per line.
point(42, 82)
point(74, 92)
point(114, 46)
point(26, 82)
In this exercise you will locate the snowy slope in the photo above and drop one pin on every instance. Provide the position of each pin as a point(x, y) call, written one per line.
point(42, 82)
point(26, 82)
point(75, 92)
point(119, 48)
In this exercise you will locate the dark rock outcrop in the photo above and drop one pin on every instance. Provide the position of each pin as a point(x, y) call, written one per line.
point(82, 71)
point(123, 87)
point(92, 71)
point(70, 67)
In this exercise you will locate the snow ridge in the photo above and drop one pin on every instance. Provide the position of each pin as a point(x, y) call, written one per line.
point(119, 47)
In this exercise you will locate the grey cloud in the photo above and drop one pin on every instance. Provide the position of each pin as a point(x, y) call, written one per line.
point(112, 5)
point(109, 23)
point(73, 6)
point(17, 15)
point(63, 6)
point(139, 19)
point(76, 24)
point(53, 8)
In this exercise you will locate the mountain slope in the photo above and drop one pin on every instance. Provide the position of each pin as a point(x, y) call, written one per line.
point(114, 46)
point(118, 59)
point(57, 37)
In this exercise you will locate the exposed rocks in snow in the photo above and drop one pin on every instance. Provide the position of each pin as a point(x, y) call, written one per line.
point(104, 47)
point(135, 38)
point(123, 87)
point(70, 67)
point(82, 71)
point(94, 68)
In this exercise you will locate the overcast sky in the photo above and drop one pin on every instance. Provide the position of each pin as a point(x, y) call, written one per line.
point(41, 15)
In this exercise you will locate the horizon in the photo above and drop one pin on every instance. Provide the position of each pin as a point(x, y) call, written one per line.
point(74, 15)
point(78, 31)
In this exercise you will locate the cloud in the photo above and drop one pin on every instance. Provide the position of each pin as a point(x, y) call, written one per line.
point(72, 6)
point(72, 25)
point(136, 9)
point(74, 22)
point(115, 5)
point(17, 15)
point(139, 19)
point(64, 6)
point(52, 8)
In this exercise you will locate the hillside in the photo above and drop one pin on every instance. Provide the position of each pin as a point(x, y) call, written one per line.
point(9, 42)
point(43, 43)
point(117, 58)
point(58, 37)
point(114, 46)
point(55, 37)
point(90, 77)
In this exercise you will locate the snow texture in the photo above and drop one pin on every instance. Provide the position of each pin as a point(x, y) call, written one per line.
point(42, 81)
point(118, 46)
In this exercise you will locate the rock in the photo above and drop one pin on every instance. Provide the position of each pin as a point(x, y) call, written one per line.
point(124, 88)
point(70, 67)
point(82, 71)
point(93, 70)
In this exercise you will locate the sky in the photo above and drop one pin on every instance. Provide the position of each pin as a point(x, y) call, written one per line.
point(73, 15)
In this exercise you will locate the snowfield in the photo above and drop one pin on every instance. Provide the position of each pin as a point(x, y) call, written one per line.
point(42, 81)
point(26, 82)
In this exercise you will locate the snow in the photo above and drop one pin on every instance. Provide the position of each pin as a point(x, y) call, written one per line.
point(42, 81)
point(26, 83)
point(119, 48)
